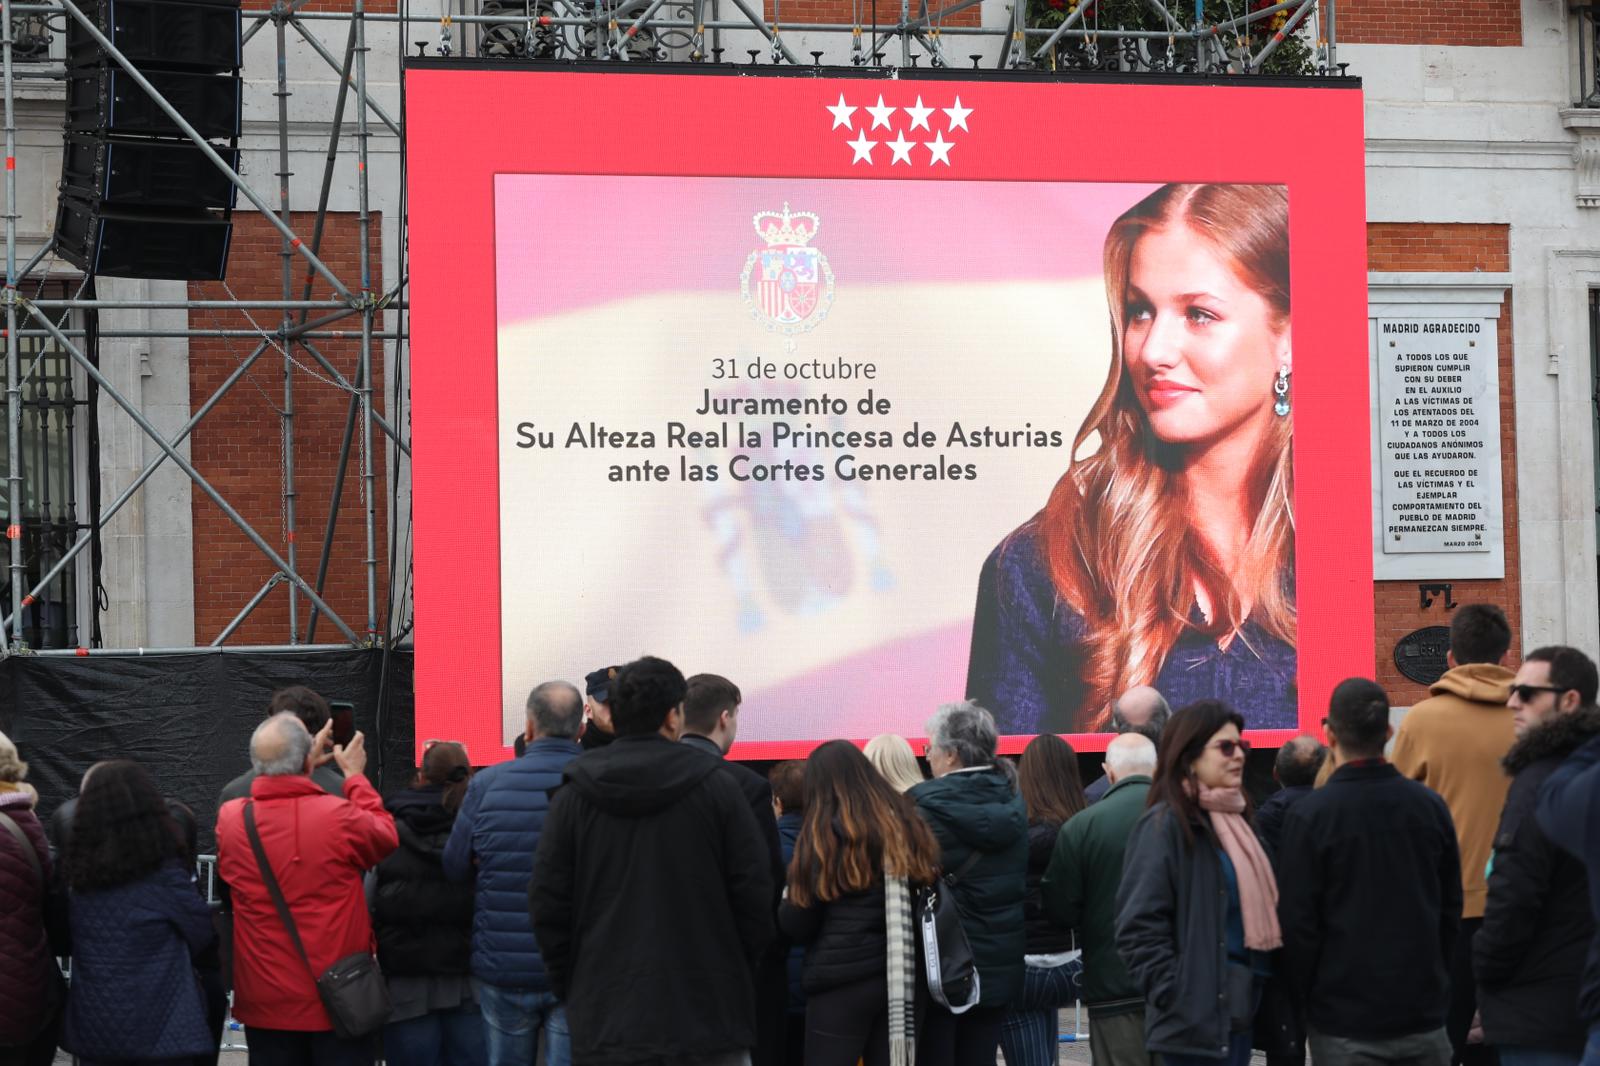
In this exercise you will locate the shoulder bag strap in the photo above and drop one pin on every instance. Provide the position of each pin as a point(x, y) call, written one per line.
point(965, 868)
point(272, 883)
point(27, 846)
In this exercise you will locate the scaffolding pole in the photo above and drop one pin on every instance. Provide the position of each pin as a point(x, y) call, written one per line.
point(195, 476)
point(287, 415)
point(364, 373)
point(13, 354)
point(110, 511)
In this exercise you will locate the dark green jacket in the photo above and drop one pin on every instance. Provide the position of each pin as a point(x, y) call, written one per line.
point(1080, 892)
point(982, 810)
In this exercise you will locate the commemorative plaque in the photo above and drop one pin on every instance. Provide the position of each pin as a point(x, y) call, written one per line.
point(1420, 654)
point(1439, 435)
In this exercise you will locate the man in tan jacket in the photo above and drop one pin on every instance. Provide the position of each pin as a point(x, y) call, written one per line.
point(1453, 743)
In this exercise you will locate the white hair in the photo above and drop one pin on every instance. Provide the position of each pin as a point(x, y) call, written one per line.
point(279, 746)
point(966, 731)
point(1131, 753)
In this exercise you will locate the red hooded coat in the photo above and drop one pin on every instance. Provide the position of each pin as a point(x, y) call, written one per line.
point(319, 847)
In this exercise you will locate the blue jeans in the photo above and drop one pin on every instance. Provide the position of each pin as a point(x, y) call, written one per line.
point(439, 1038)
point(1517, 1055)
point(1591, 1051)
point(512, 1020)
point(1030, 1034)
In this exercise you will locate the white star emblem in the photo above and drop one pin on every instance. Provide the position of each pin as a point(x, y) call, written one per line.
point(958, 115)
point(919, 115)
point(863, 148)
point(938, 150)
point(841, 113)
point(880, 114)
point(901, 149)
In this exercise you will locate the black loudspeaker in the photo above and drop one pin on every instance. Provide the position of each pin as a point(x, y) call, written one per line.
point(161, 34)
point(102, 97)
point(139, 172)
point(138, 198)
point(175, 245)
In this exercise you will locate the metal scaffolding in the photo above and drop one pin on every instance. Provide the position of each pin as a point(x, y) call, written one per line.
point(1148, 37)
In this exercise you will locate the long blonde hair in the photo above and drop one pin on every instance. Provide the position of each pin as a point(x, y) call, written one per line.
point(891, 755)
point(1116, 531)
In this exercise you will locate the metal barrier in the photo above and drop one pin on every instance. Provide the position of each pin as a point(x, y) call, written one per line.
point(205, 875)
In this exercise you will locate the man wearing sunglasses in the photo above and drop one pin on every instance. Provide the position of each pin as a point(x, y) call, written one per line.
point(1453, 743)
point(1529, 954)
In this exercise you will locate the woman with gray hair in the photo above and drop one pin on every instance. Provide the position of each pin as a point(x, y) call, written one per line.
point(978, 816)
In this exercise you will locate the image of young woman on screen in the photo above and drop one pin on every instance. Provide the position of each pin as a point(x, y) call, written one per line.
point(1165, 554)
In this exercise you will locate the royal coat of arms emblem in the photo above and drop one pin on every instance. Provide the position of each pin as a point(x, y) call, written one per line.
point(788, 285)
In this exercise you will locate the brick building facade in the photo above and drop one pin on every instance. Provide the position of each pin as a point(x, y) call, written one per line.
point(239, 448)
point(1450, 248)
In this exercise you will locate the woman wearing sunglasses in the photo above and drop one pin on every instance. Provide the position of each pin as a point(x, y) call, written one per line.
point(1197, 909)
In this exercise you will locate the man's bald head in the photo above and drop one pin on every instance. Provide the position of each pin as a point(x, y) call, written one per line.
point(1298, 762)
point(280, 746)
point(1141, 710)
point(1129, 754)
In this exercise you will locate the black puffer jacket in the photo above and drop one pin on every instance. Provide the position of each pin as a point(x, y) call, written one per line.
point(422, 920)
point(1529, 954)
point(846, 940)
point(1044, 937)
point(981, 812)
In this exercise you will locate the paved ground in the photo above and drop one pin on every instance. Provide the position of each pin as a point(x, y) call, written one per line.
point(1073, 1053)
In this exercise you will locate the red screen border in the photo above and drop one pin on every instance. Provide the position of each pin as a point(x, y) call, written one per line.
point(467, 123)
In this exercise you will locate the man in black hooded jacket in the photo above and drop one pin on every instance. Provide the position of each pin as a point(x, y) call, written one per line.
point(652, 894)
point(1529, 955)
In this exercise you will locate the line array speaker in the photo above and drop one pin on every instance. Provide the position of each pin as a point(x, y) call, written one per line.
point(138, 197)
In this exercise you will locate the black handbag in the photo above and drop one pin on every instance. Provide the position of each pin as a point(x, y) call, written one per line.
point(951, 970)
point(353, 989)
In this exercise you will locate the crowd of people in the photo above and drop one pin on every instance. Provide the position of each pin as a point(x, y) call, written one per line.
point(621, 893)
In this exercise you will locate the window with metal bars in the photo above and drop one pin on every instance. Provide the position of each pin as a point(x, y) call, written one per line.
point(55, 432)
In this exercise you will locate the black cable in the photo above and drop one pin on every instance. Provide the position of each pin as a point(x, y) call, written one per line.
point(397, 373)
point(101, 598)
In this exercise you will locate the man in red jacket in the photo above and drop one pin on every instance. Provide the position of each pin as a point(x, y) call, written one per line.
point(319, 847)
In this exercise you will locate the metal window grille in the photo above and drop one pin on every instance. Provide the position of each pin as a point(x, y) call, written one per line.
point(36, 39)
point(1588, 41)
point(56, 427)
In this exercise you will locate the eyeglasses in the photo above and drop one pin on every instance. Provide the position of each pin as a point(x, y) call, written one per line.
point(1231, 747)
point(1525, 693)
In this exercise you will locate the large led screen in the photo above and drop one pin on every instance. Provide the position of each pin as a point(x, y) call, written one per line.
point(875, 394)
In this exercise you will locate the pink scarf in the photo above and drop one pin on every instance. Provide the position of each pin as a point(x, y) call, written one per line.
point(1258, 889)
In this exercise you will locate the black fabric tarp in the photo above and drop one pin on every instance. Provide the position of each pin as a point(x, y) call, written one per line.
point(188, 717)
